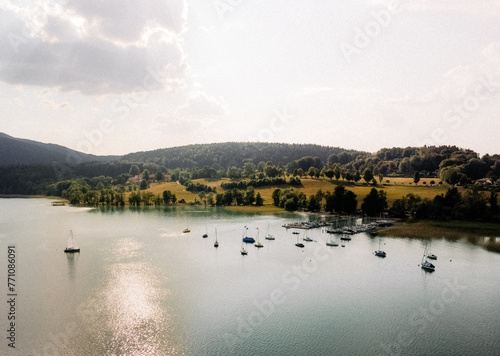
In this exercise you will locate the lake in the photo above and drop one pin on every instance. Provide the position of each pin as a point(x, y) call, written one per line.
point(140, 286)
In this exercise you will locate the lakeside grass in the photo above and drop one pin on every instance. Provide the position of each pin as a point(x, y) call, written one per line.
point(425, 229)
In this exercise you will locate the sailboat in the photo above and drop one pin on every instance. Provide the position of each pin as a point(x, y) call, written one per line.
point(379, 252)
point(329, 242)
point(430, 254)
point(346, 237)
point(307, 238)
point(426, 264)
point(72, 246)
point(216, 243)
point(268, 235)
point(258, 244)
point(186, 230)
point(299, 244)
point(205, 235)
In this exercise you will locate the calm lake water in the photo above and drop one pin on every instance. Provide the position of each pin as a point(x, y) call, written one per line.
point(142, 287)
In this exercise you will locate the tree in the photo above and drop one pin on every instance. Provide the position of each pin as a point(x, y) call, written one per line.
point(258, 200)
point(313, 203)
point(350, 202)
point(134, 170)
point(493, 202)
point(249, 198)
point(416, 177)
point(367, 175)
point(233, 172)
point(249, 169)
point(144, 184)
point(276, 197)
point(374, 203)
point(159, 177)
point(203, 197)
point(329, 173)
point(145, 175)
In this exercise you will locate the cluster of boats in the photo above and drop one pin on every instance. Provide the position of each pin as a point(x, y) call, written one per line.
point(306, 225)
point(425, 264)
point(72, 246)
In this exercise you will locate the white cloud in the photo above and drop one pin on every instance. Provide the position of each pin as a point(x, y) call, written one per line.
point(94, 47)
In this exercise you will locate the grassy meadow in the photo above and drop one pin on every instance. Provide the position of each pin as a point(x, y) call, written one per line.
point(395, 189)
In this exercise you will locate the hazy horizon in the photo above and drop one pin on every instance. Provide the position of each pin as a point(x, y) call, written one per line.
point(119, 77)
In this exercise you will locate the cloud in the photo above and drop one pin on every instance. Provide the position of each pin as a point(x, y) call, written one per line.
point(57, 106)
point(202, 108)
point(94, 47)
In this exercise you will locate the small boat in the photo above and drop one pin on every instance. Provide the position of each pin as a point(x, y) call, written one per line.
point(430, 254)
point(345, 238)
point(343, 245)
point(186, 230)
point(307, 238)
point(295, 232)
point(426, 265)
point(329, 242)
point(71, 247)
point(243, 251)
point(299, 244)
point(268, 235)
point(258, 244)
point(216, 243)
point(247, 239)
point(379, 252)
point(205, 235)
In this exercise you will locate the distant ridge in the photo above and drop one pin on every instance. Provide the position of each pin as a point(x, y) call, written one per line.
point(17, 151)
point(233, 154)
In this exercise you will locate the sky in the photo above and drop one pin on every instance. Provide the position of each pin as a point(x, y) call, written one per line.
point(113, 77)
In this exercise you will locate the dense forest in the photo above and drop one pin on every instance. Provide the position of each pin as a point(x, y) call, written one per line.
point(225, 155)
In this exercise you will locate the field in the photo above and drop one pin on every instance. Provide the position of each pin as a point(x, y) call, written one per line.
point(395, 188)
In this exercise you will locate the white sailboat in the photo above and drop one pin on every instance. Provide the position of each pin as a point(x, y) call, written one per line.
point(186, 230)
point(216, 243)
point(258, 244)
point(268, 235)
point(72, 246)
point(329, 242)
point(430, 254)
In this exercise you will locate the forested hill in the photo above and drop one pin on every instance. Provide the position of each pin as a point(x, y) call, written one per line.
point(236, 154)
point(16, 151)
